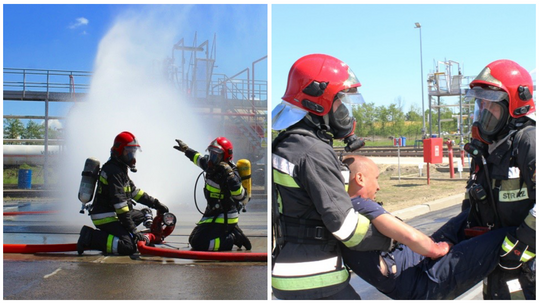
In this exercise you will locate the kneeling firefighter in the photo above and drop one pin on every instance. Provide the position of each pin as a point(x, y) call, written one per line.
point(112, 209)
point(218, 228)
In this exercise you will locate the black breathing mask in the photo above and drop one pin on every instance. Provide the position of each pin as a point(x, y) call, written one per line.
point(341, 122)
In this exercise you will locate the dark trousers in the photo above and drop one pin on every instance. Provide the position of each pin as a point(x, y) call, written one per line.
point(125, 244)
point(348, 293)
point(418, 277)
point(212, 237)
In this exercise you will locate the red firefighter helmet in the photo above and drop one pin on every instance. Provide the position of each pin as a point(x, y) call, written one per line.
point(220, 149)
point(511, 78)
point(313, 83)
point(125, 147)
point(502, 89)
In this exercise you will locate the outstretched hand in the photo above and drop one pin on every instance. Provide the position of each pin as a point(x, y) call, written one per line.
point(182, 146)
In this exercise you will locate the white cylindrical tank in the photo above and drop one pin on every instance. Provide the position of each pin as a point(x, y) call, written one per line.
point(28, 154)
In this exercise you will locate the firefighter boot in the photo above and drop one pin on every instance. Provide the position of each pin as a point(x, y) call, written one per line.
point(85, 239)
point(240, 239)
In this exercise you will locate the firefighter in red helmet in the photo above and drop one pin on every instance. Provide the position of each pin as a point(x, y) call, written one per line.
point(112, 210)
point(311, 210)
point(218, 228)
point(502, 187)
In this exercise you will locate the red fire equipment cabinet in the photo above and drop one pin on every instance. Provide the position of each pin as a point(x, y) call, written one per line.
point(433, 152)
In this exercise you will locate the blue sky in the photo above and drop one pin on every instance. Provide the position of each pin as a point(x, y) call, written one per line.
point(67, 37)
point(381, 45)
point(378, 41)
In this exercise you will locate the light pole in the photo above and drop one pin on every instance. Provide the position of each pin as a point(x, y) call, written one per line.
point(418, 26)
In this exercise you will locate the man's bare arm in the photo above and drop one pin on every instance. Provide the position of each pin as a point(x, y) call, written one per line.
point(414, 239)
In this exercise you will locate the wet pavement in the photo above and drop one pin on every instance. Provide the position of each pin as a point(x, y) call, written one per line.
point(93, 276)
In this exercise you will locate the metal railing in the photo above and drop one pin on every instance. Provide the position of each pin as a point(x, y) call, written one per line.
point(47, 81)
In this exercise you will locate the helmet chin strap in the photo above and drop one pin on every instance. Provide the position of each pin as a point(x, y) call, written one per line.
point(322, 124)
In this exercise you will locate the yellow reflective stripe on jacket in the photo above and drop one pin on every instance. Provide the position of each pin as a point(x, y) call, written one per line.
point(103, 218)
point(196, 158)
point(362, 226)
point(219, 220)
point(214, 192)
point(103, 180)
point(121, 207)
point(237, 192)
point(138, 195)
point(507, 245)
point(105, 221)
point(310, 282)
point(284, 179)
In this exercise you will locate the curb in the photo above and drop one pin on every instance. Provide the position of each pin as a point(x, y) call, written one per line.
point(414, 211)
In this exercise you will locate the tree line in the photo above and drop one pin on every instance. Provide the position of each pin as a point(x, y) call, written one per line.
point(374, 122)
point(14, 128)
point(387, 121)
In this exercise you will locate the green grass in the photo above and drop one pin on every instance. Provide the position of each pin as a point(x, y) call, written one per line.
point(11, 175)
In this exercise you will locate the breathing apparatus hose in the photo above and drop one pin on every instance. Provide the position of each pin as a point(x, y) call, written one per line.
point(195, 192)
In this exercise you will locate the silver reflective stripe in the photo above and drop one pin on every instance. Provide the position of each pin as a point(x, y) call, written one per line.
point(240, 196)
point(281, 164)
point(348, 226)
point(99, 216)
point(213, 184)
point(120, 205)
point(115, 245)
point(305, 268)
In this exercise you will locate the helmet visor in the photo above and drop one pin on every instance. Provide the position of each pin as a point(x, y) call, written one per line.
point(130, 153)
point(349, 99)
point(485, 94)
point(216, 155)
point(489, 114)
point(285, 115)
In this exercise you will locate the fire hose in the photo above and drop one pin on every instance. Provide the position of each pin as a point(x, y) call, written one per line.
point(146, 250)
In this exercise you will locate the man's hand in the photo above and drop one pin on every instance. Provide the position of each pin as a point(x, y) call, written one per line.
point(160, 207)
point(440, 249)
point(182, 147)
point(138, 236)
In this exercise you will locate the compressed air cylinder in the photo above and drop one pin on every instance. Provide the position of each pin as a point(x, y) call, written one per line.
point(244, 169)
point(88, 180)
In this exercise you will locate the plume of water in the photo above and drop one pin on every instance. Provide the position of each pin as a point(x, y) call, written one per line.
point(130, 93)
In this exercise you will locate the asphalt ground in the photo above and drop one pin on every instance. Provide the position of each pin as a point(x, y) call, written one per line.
point(94, 276)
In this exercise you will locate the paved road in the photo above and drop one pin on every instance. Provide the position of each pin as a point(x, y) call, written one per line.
point(67, 276)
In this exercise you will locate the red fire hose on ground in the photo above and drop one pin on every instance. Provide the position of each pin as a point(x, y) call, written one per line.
point(203, 255)
point(27, 212)
point(159, 232)
point(24, 248)
point(147, 250)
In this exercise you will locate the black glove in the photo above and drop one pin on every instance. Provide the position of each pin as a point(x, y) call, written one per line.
point(512, 252)
point(182, 147)
point(226, 169)
point(138, 236)
point(160, 207)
